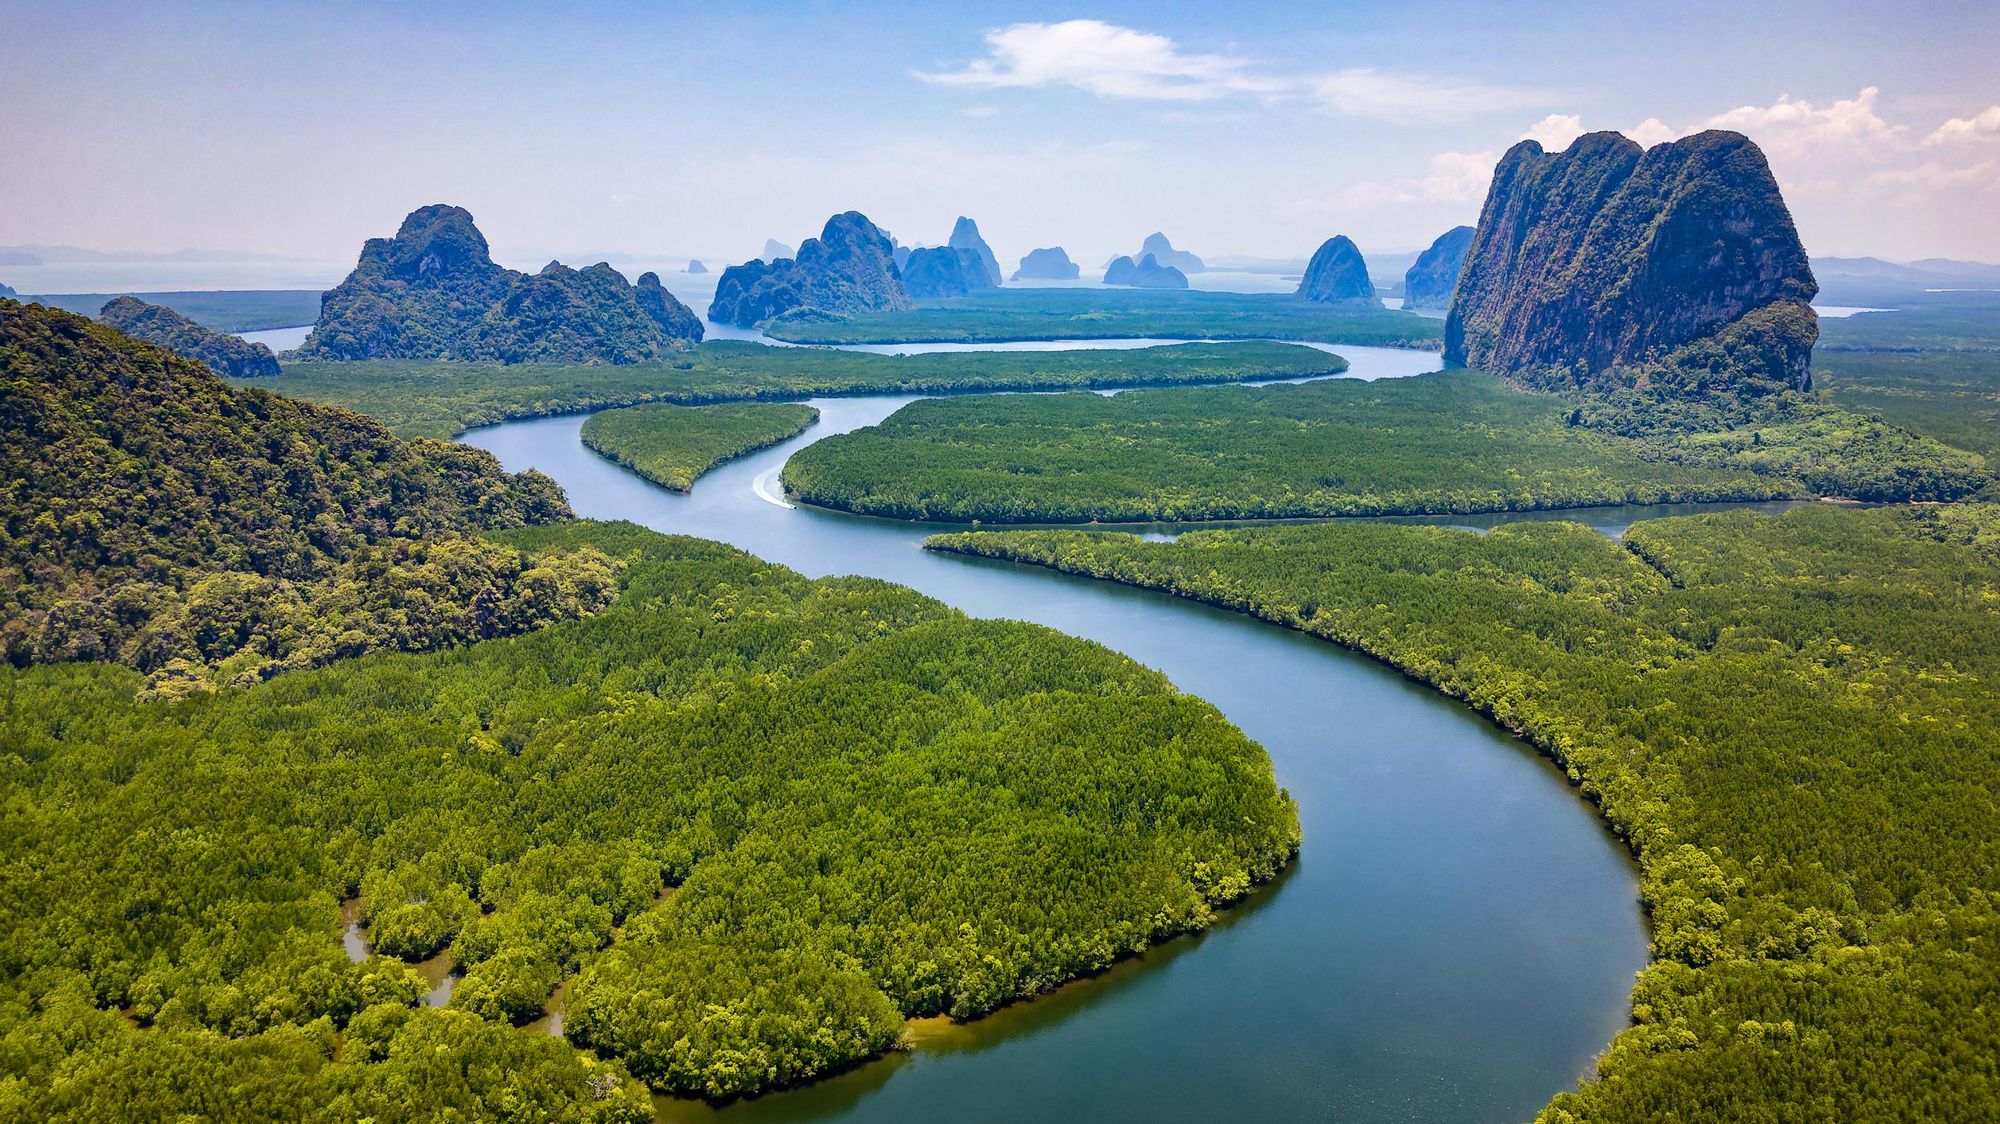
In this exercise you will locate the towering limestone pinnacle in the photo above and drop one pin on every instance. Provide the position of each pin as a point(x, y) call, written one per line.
point(434, 292)
point(1338, 275)
point(1431, 278)
point(675, 320)
point(157, 324)
point(849, 268)
point(773, 250)
point(1675, 269)
point(1050, 263)
point(965, 236)
point(1163, 252)
point(695, 266)
point(944, 271)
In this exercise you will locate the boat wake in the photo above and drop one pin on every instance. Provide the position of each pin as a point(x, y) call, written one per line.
point(769, 490)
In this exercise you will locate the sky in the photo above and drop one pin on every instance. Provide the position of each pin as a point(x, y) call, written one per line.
point(639, 130)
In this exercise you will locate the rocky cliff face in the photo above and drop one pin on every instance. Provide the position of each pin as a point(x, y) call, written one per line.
point(1146, 273)
point(1048, 264)
point(1430, 279)
point(434, 292)
point(944, 271)
point(849, 268)
point(965, 236)
point(157, 324)
point(1163, 252)
point(1338, 275)
point(1610, 266)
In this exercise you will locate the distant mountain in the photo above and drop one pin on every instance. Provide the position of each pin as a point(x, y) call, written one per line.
point(849, 268)
point(965, 236)
point(1163, 252)
point(1047, 264)
point(1865, 281)
point(225, 354)
point(434, 292)
point(8, 292)
point(696, 266)
point(945, 271)
point(1146, 273)
point(773, 250)
point(1431, 277)
point(1676, 268)
point(1338, 275)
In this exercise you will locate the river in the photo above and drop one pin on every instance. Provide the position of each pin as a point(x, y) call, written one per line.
point(1456, 941)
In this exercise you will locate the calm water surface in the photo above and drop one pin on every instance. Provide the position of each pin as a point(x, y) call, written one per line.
point(1456, 941)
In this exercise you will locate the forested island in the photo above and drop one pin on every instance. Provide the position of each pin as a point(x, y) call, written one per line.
point(1788, 719)
point(1453, 441)
point(419, 399)
point(580, 787)
point(674, 445)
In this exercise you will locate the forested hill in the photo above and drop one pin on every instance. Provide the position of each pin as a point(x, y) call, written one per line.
point(133, 475)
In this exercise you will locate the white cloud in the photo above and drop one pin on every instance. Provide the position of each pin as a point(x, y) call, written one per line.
point(981, 110)
point(1984, 125)
point(1795, 127)
point(1366, 92)
point(1449, 178)
point(1555, 132)
point(1106, 60)
point(1653, 131)
point(1122, 62)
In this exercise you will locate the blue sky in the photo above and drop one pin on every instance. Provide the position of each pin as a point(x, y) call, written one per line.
point(668, 129)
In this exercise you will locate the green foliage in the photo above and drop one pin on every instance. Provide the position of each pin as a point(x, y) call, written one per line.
point(140, 489)
point(1084, 314)
point(1453, 441)
point(871, 806)
point(1790, 719)
point(442, 399)
point(158, 324)
point(673, 445)
point(225, 310)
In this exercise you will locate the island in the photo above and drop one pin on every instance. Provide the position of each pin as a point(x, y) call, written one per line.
point(849, 268)
point(673, 446)
point(1429, 282)
point(1049, 263)
point(1338, 275)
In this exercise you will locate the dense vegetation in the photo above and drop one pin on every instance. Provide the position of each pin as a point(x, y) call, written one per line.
point(1091, 313)
point(673, 445)
point(1793, 722)
point(441, 399)
point(1452, 441)
point(869, 806)
point(1953, 396)
point(154, 514)
point(434, 292)
point(225, 310)
point(1933, 322)
point(225, 354)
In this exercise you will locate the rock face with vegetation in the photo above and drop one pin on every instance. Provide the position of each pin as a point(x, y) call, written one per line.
point(1163, 252)
point(159, 517)
point(157, 324)
point(1673, 270)
point(944, 271)
point(1431, 278)
point(849, 268)
point(965, 236)
point(1338, 275)
point(1047, 264)
point(434, 292)
point(1146, 273)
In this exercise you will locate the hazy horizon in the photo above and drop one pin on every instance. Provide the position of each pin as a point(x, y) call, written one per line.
point(645, 134)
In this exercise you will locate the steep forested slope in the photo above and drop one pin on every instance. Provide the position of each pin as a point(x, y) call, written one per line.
point(134, 476)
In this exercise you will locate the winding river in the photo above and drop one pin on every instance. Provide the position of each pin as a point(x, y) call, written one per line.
point(1456, 942)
